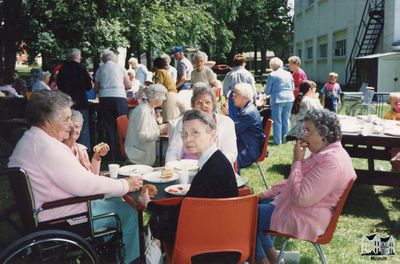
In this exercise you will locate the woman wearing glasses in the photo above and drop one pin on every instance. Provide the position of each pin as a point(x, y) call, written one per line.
point(215, 179)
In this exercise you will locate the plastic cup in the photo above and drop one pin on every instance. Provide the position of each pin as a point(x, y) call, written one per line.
point(113, 168)
point(183, 176)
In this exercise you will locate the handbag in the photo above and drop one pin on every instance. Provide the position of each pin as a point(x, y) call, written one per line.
point(153, 252)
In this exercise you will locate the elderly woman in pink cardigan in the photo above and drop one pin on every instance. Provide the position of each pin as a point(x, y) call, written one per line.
point(303, 204)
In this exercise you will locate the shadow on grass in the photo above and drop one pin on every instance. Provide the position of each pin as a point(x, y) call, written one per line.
point(283, 169)
point(364, 202)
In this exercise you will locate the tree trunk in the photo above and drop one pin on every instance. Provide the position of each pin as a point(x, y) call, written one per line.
point(11, 28)
point(148, 57)
point(255, 59)
point(263, 60)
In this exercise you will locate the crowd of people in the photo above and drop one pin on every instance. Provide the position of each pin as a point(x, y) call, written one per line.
point(223, 137)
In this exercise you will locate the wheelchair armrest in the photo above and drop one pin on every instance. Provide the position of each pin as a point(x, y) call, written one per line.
point(72, 200)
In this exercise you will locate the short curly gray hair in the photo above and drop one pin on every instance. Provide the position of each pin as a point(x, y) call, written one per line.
point(326, 122)
point(108, 55)
point(155, 91)
point(200, 55)
point(46, 105)
point(201, 88)
point(196, 114)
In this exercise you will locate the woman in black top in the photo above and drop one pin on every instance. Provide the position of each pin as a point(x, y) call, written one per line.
point(215, 179)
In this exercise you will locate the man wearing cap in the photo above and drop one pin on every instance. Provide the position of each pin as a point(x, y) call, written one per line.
point(185, 67)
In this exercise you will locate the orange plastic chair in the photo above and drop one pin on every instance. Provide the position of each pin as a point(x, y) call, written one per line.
point(122, 127)
point(324, 238)
point(215, 225)
point(267, 131)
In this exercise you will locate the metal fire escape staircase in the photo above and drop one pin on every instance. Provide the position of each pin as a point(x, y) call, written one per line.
point(367, 37)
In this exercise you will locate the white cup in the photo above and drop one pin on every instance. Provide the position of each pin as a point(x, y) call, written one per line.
point(183, 176)
point(113, 169)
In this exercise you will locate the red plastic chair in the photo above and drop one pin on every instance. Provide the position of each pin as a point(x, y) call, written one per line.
point(122, 127)
point(215, 225)
point(324, 238)
point(267, 131)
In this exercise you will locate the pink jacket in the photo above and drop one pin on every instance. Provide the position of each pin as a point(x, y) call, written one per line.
point(55, 173)
point(308, 197)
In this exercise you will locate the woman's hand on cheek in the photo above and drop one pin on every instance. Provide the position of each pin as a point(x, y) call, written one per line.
point(299, 150)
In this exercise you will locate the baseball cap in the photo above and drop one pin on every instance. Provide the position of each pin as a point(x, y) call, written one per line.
point(177, 49)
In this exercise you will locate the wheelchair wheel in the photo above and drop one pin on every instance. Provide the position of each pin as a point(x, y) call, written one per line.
point(362, 109)
point(49, 246)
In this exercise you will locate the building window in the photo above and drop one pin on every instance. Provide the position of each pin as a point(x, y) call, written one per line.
point(299, 52)
point(309, 53)
point(310, 2)
point(323, 50)
point(340, 48)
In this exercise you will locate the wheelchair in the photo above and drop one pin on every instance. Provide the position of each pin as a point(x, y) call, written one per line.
point(90, 245)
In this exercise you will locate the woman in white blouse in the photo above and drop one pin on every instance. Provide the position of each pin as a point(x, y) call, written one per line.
point(204, 100)
point(143, 129)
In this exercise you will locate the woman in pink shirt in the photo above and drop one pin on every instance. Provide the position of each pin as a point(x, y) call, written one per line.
point(303, 204)
point(55, 173)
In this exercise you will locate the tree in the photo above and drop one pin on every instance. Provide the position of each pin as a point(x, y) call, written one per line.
point(261, 25)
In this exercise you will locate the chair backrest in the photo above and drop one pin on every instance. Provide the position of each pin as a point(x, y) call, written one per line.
point(22, 194)
point(216, 225)
point(122, 127)
point(267, 131)
point(327, 236)
point(363, 87)
point(368, 95)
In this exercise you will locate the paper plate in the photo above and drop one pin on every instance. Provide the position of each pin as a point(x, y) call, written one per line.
point(155, 177)
point(134, 170)
point(351, 129)
point(186, 164)
point(178, 189)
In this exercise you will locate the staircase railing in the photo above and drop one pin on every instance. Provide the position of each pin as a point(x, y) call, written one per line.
point(372, 23)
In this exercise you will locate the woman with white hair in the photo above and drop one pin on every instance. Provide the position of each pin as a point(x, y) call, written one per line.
point(201, 73)
point(142, 73)
point(280, 87)
point(42, 81)
point(143, 129)
point(248, 126)
point(111, 82)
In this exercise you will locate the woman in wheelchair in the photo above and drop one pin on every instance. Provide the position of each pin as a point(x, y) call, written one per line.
point(302, 205)
point(215, 179)
point(55, 173)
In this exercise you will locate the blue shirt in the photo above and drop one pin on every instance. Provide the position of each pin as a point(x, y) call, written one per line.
point(250, 135)
point(280, 87)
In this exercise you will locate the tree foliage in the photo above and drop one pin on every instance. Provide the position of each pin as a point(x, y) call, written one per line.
point(49, 27)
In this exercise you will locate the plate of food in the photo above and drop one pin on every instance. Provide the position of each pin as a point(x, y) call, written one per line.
point(184, 164)
point(161, 176)
point(178, 189)
point(134, 170)
point(241, 180)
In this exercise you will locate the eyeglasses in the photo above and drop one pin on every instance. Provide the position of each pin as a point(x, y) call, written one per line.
point(203, 102)
point(193, 134)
